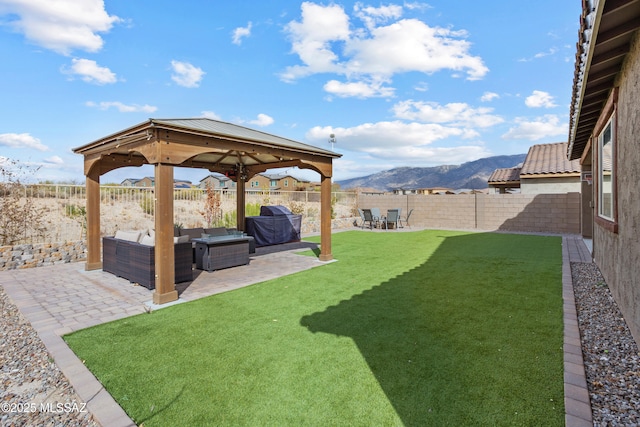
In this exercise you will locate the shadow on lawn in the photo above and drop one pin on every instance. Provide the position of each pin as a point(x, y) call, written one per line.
point(158, 411)
point(425, 337)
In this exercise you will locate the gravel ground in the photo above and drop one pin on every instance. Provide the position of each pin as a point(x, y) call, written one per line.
point(611, 358)
point(33, 391)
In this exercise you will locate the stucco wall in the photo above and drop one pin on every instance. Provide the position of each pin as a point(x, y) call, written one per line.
point(550, 213)
point(550, 185)
point(618, 254)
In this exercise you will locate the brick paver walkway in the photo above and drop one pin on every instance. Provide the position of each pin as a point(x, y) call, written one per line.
point(61, 299)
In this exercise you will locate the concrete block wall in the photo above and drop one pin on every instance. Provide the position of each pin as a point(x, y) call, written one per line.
point(550, 213)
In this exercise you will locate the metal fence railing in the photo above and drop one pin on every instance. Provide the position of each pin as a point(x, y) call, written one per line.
point(62, 208)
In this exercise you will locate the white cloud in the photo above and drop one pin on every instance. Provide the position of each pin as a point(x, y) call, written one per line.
point(489, 96)
point(240, 33)
point(538, 128)
point(360, 89)
point(389, 135)
point(371, 16)
point(262, 120)
point(325, 42)
point(90, 72)
point(540, 99)
point(186, 74)
point(123, 108)
point(401, 143)
point(211, 115)
point(21, 140)
point(550, 52)
point(54, 160)
point(455, 113)
point(312, 37)
point(61, 25)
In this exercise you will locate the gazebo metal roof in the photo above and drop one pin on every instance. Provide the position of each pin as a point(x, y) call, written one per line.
point(223, 145)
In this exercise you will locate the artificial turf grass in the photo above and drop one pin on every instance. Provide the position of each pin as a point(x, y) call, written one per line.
point(420, 328)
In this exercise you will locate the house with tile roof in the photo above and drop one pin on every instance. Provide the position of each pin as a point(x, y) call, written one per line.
point(545, 170)
point(603, 136)
point(505, 180)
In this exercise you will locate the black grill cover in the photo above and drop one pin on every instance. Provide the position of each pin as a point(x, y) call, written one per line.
point(274, 210)
point(275, 225)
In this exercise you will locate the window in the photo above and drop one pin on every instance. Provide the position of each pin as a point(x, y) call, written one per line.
point(604, 147)
point(286, 182)
point(273, 183)
point(606, 182)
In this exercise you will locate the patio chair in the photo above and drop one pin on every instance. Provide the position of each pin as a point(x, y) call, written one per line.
point(406, 219)
point(368, 217)
point(393, 216)
point(361, 217)
point(376, 214)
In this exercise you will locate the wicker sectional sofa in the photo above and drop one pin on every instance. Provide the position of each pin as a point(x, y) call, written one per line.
point(136, 262)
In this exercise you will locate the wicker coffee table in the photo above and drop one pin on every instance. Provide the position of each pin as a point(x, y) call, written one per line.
point(215, 253)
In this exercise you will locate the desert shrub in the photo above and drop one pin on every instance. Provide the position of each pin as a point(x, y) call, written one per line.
point(212, 211)
point(297, 208)
point(78, 213)
point(148, 204)
point(20, 219)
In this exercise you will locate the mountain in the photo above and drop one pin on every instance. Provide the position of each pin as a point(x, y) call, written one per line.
point(467, 175)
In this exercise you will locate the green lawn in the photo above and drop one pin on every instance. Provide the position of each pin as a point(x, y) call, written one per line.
point(422, 328)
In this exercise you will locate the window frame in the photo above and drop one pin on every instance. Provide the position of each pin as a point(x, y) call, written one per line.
point(608, 119)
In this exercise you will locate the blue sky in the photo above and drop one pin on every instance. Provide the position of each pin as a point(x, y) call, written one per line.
point(399, 84)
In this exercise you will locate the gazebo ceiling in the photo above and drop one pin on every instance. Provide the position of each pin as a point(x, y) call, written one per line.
point(200, 143)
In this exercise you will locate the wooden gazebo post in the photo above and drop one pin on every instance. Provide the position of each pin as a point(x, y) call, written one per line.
point(164, 253)
point(325, 218)
point(240, 202)
point(94, 258)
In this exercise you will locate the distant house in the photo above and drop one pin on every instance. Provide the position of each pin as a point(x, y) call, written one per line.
point(148, 181)
point(181, 184)
point(505, 180)
point(263, 181)
point(217, 181)
point(404, 191)
point(435, 190)
point(129, 182)
point(603, 136)
point(546, 170)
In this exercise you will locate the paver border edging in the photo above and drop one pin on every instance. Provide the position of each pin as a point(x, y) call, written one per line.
point(577, 403)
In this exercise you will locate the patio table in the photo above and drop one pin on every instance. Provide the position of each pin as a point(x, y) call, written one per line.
point(217, 252)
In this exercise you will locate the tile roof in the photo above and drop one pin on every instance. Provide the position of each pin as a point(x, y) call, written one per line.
point(549, 159)
point(607, 29)
point(505, 175)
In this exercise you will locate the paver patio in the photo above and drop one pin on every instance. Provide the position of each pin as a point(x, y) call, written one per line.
point(74, 299)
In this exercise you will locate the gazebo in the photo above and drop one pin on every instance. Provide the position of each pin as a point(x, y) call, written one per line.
point(233, 150)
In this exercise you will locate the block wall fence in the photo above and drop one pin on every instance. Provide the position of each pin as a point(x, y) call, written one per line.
point(546, 213)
